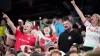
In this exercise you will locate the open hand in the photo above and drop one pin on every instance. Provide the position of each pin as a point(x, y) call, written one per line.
point(5, 16)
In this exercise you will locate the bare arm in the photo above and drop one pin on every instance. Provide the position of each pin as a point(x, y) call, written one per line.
point(9, 36)
point(10, 23)
point(78, 11)
point(2, 42)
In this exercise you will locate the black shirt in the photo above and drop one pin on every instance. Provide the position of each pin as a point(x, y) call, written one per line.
point(66, 40)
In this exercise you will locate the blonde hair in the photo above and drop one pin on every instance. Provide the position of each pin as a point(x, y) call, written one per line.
point(98, 17)
point(55, 51)
point(30, 23)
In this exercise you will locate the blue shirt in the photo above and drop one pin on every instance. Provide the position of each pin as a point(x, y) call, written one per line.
point(59, 28)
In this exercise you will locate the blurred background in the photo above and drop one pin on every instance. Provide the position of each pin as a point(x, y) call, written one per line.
point(33, 9)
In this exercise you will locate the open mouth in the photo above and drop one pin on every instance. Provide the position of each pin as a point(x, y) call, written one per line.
point(65, 26)
point(25, 29)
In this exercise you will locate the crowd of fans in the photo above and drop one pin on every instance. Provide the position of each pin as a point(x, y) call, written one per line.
point(59, 37)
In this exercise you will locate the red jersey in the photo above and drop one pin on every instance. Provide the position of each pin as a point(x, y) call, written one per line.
point(42, 41)
point(22, 39)
point(35, 27)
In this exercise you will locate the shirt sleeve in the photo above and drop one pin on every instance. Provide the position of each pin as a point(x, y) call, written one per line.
point(87, 23)
point(54, 39)
point(17, 33)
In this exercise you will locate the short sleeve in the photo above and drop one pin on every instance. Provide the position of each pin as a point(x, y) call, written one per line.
point(17, 33)
point(87, 23)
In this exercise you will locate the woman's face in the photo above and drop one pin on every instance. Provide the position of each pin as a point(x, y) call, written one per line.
point(46, 30)
point(27, 28)
point(94, 19)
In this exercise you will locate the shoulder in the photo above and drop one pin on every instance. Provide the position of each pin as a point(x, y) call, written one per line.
point(75, 33)
point(33, 37)
point(65, 33)
point(53, 36)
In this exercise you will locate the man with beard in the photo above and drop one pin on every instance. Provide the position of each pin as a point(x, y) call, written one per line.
point(68, 37)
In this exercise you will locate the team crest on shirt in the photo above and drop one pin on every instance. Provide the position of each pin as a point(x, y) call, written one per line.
point(69, 38)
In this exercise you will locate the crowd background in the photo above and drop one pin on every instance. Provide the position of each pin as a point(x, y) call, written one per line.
point(51, 37)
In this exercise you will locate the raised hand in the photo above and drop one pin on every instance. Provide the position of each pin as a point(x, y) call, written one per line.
point(73, 2)
point(5, 16)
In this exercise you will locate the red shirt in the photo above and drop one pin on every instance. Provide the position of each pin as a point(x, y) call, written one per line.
point(42, 41)
point(22, 39)
point(35, 27)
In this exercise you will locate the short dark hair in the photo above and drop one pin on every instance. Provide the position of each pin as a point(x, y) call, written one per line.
point(75, 26)
point(40, 48)
point(65, 18)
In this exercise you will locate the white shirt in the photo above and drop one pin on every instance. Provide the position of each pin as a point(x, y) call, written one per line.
point(92, 38)
point(53, 28)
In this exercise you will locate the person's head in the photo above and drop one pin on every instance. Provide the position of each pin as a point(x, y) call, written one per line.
point(55, 52)
point(45, 20)
point(72, 53)
point(35, 54)
point(11, 55)
point(27, 28)
point(70, 17)
point(47, 30)
point(92, 53)
point(75, 27)
point(88, 17)
point(95, 19)
point(40, 50)
point(60, 20)
point(20, 22)
point(3, 22)
point(22, 54)
point(74, 47)
point(67, 23)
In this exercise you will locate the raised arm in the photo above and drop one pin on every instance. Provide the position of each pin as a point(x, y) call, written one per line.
point(9, 36)
point(9, 22)
point(78, 11)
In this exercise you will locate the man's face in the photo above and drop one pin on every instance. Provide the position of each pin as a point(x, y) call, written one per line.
point(67, 25)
